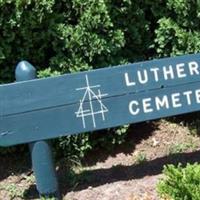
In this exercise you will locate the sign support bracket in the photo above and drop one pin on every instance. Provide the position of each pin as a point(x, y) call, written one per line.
point(41, 154)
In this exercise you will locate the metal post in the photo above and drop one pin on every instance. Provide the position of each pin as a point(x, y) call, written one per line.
point(41, 154)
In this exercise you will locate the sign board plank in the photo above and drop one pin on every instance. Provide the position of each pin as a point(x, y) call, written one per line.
point(110, 112)
point(70, 104)
point(50, 92)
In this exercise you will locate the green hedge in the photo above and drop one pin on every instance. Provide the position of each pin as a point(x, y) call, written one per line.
point(60, 36)
point(70, 36)
point(179, 29)
point(180, 183)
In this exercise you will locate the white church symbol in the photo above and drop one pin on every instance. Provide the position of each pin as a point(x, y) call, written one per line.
point(91, 103)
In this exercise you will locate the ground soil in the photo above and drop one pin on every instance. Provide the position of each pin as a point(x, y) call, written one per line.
point(130, 172)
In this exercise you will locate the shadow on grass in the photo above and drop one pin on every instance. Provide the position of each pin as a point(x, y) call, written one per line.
point(20, 162)
point(31, 193)
point(69, 181)
point(99, 177)
point(15, 164)
point(135, 135)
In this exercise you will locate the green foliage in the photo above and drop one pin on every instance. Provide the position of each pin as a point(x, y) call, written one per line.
point(75, 147)
point(76, 175)
point(140, 158)
point(180, 183)
point(70, 35)
point(178, 32)
point(12, 190)
point(48, 198)
point(194, 127)
point(12, 150)
point(47, 73)
point(181, 147)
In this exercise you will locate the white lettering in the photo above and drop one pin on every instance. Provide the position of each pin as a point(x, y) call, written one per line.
point(176, 100)
point(161, 102)
point(146, 105)
point(155, 72)
point(180, 70)
point(128, 83)
point(168, 72)
point(193, 67)
point(188, 96)
point(133, 104)
point(197, 94)
point(143, 79)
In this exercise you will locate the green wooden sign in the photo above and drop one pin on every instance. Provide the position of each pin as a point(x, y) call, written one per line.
point(32, 111)
point(41, 109)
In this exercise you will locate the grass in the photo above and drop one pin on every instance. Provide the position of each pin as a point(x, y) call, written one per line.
point(140, 158)
point(182, 147)
point(194, 127)
point(45, 198)
point(12, 190)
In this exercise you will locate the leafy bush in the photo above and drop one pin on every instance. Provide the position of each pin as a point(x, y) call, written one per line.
point(180, 183)
point(178, 33)
point(70, 36)
point(179, 29)
point(75, 147)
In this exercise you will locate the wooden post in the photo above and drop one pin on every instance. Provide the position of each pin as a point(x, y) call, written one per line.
point(41, 154)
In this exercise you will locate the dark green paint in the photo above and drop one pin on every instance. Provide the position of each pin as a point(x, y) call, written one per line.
point(32, 111)
point(41, 156)
point(41, 109)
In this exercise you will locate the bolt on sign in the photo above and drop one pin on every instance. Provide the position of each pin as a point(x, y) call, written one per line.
point(47, 108)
